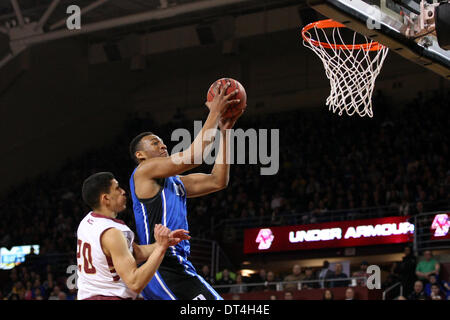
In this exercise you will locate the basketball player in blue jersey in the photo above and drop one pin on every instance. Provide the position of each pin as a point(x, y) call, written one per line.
point(159, 195)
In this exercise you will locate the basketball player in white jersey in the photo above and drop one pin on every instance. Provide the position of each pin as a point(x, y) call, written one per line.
point(107, 256)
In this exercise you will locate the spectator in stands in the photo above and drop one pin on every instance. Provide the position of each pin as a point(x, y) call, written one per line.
point(339, 274)
point(235, 297)
point(206, 274)
point(349, 294)
point(31, 258)
point(446, 289)
point(38, 287)
point(362, 272)
point(29, 291)
point(33, 276)
point(24, 275)
point(432, 279)
point(277, 201)
point(436, 293)
point(288, 295)
point(273, 297)
point(224, 279)
point(62, 295)
point(309, 276)
point(419, 208)
point(276, 217)
point(328, 295)
point(406, 270)
point(404, 208)
point(427, 267)
point(48, 285)
point(259, 278)
point(18, 289)
point(324, 273)
point(418, 293)
point(72, 294)
point(269, 285)
point(54, 295)
point(13, 278)
point(296, 275)
point(38, 296)
point(240, 286)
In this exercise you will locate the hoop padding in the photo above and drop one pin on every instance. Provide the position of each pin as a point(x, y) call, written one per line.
point(351, 68)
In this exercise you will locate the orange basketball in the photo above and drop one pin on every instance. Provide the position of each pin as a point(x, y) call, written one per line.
point(242, 95)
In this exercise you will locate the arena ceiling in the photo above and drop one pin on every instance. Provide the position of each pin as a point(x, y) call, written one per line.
point(101, 10)
point(24, 23)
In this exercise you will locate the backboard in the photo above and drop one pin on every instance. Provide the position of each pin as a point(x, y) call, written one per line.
point(400, 25)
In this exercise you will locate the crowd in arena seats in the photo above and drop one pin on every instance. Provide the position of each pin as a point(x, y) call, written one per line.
point(421, 280)
point(397, 159)
point(28, 282)
point(395, 162)
point(34, 281)
point(425, 283)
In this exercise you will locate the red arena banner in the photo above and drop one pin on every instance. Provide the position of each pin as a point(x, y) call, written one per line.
point(440, 227)
point(329, 235)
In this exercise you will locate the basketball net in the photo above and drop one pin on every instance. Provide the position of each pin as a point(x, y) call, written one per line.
point(351, 68)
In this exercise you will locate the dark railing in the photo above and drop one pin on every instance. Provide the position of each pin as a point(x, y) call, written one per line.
point(390, 293)
point(393, 291)
point(280, 285)
point(208, 252)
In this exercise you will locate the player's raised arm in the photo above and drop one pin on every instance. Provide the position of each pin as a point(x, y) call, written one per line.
point(115, 246)
point(199, 184)
point(160, 166)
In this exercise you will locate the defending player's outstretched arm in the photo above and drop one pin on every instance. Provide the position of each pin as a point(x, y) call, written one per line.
point(142, 252)
point(200, 184)
point(115, 246)
point(163, 167)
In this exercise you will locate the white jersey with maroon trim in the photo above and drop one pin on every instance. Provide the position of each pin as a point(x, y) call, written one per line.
point(96, 273)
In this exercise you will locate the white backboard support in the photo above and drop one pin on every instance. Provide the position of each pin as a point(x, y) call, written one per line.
point(385, 21)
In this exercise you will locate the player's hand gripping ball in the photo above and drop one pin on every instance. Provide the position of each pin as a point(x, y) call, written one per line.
point(235, 109)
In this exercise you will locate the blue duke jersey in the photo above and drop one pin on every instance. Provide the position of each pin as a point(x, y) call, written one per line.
point(176, 278)
point(168, 208)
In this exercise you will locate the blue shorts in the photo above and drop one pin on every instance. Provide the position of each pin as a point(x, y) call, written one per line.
point(177, 279)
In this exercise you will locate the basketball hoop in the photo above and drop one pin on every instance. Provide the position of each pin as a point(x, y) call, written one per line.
point(351, 68)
